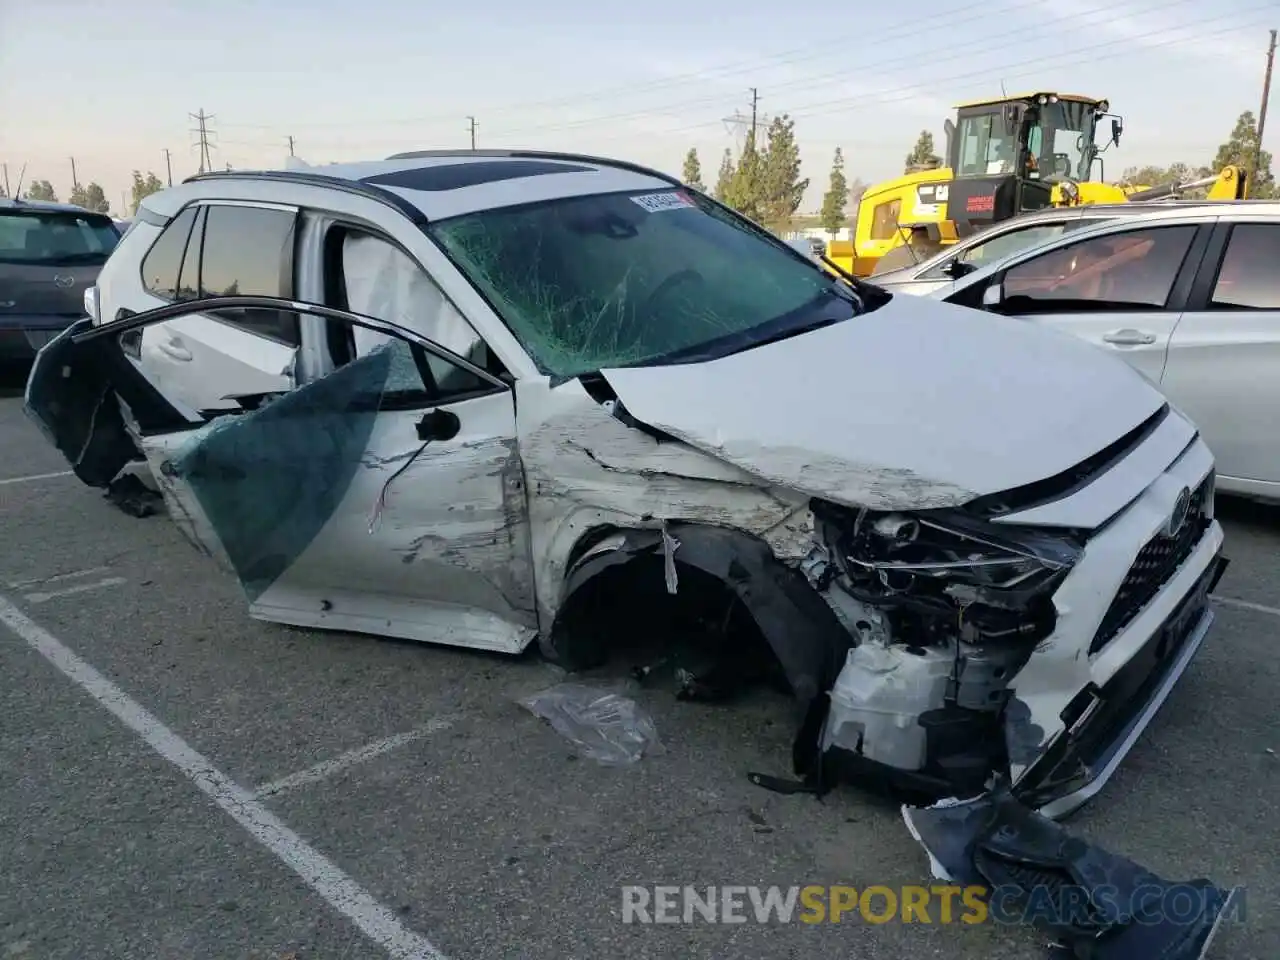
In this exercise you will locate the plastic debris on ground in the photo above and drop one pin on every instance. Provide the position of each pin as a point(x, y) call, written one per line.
point(1096, 904)
point(604, 725)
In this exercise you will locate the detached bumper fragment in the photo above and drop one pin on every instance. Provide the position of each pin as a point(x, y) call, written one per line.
point(1096, 904)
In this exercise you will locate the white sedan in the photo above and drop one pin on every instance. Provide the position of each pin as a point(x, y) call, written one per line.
point(1189, 297)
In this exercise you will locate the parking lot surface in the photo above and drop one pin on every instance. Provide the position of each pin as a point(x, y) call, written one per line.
point(183, 781)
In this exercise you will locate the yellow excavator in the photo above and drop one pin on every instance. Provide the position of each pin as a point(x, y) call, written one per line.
point(1003, 157)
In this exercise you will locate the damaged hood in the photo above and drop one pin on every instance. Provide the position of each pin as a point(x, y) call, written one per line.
point(916, 405)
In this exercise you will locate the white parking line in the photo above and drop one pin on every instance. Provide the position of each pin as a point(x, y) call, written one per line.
point(68, 591)
point(34, 477)
point(342, 893)
point(59, 577)
point(327, 768)
point(1247, 605)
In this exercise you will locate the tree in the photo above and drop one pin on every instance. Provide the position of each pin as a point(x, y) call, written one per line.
point(144, 187)
point(922, 154)
point(836, 196)
point(725, 177)
point(78, 196)
point(1239, 150)
point(41, 190)
point(742, 192)
point(780, 188)
point(693, 170)
point(1153, 176)
point(95, 199)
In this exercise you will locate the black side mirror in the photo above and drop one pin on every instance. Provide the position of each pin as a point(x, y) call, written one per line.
point(1117, 128)
point(958, 268)
point(439, 425)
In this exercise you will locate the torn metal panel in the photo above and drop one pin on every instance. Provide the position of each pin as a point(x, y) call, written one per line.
point(1098, 905)
point(890, 419)
point(586, 470)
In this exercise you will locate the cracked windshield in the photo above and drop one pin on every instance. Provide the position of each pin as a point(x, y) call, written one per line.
point(627, 279)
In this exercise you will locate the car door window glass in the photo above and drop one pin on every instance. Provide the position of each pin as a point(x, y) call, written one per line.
point(997, 248)
point(1134, 268)
point(248, 251)
point(1247, 278)
point(163, 262)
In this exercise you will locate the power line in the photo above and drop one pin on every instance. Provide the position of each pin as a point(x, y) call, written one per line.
point(948, 52)
point(891, 96)
point(843, 75)
point(734, 68)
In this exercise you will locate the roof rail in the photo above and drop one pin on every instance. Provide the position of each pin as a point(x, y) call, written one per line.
point(308, 178)
point(541, 155)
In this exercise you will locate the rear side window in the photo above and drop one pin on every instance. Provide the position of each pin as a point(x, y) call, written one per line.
point(248, 251)
point(219, 250)
point(163, 262)
point(54, 237)
point(1246, 280)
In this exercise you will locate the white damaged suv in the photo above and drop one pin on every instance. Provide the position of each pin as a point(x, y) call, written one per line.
point(445, 396)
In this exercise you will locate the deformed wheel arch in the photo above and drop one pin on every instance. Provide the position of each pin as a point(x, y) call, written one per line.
point(801, 629)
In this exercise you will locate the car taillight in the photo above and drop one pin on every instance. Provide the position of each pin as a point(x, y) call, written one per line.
point(91, 304)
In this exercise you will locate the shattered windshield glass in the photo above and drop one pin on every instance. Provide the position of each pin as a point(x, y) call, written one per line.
point(587, 283)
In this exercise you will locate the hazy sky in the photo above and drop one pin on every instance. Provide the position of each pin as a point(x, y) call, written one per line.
point(113, 84)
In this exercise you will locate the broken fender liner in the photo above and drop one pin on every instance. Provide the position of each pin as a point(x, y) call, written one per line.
point(801, 630)
point(1098, 905)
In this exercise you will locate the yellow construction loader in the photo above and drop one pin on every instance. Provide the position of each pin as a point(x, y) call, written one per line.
point(1003, 157)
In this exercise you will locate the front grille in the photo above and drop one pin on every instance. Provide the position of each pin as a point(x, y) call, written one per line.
point(1155, 564)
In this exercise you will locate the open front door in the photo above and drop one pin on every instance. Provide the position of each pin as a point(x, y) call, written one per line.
point(385, 497)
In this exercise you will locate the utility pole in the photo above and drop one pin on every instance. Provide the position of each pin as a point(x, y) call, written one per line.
point(202, 132)
point(290, 138)
point(1262, 116)
point(755, 100)
point(6, 181)
point(168, 166)
point(471, 123)
point(124, 204)
point(75, 183)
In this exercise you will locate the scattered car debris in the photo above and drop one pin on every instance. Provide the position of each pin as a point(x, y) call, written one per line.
point(603, 725)
point(134, 497)
point(1096, 904)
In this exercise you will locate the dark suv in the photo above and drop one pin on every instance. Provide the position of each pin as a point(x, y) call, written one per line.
point(50, 253)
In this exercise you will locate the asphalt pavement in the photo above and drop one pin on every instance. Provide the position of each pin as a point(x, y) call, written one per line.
point(180, 780)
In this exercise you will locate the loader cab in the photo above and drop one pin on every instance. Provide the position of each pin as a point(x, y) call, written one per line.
point(1006, 155)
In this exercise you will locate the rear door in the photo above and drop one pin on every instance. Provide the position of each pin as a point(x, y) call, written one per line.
point(1123, 290)
point(1224, 357)
point(217, 248)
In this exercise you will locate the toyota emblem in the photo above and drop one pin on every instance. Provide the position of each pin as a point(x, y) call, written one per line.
point(1181, 510)
point(64, 283)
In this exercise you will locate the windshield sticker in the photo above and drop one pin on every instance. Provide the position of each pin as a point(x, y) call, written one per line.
point(657, 202)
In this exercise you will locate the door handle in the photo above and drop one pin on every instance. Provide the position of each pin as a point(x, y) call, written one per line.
point(1129, 337)
point(175, 350)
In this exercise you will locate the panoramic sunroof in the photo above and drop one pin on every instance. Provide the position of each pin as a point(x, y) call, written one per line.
point(452, 176)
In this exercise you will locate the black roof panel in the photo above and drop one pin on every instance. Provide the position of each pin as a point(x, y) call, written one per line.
point(454, 176)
